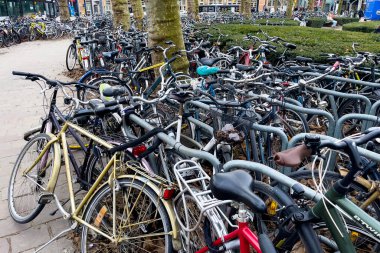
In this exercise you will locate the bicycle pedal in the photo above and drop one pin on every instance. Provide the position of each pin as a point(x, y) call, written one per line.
point(45, 198)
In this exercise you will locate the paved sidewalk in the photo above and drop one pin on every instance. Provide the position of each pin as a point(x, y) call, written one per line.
point(21, 109)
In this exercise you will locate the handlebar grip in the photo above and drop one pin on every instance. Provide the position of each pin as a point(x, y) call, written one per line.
point(138, 141)
point(19, 73)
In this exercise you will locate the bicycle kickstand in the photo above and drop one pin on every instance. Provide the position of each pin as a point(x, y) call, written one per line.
point(57, 236)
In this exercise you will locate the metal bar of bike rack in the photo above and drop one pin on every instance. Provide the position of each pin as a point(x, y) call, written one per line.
point(176, 145)
point(199, 123)
point(373, 112)
point(343, 95)
point(255, 126)
point(344, 118)
point(342, 79)
point(275, 130)
point(300, 109)
point(273, 174)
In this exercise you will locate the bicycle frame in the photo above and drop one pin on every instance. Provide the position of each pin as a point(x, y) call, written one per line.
point(75, 214)
point(333, 219)
point(337, 226)
point(243, 233)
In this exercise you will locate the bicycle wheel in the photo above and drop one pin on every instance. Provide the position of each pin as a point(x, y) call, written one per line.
point(286, 235)
point(71, 57)
point(363, 241)
point(24, 190)
point(142, 225)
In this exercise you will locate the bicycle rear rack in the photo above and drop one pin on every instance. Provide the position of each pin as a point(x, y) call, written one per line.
point(193, 183)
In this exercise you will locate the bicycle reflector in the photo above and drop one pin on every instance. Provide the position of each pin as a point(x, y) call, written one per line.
point(136, 151)
point(272, 208)
point(168, 193)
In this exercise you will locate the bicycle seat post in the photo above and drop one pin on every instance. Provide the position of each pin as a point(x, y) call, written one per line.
point(243, 217)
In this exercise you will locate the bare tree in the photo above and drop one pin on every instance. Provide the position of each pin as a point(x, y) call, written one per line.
point(63, 10)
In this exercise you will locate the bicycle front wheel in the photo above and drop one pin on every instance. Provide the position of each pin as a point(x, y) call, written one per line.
point(25, 188)
point(71, 57)
point(135, 211)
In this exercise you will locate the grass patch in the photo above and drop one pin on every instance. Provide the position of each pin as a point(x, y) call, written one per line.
point(364, 27)
point(310, 42)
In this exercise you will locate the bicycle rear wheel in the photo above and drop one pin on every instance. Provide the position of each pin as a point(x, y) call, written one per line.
point(142, 225)
point(24, 190)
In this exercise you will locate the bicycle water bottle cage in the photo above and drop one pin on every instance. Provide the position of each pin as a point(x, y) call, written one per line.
point(206, 71)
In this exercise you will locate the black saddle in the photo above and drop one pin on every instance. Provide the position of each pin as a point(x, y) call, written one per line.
point(237, 185)
point(290, 45)
point(110, 54)
point(89, 42)
point(242, 67)
point(114, 91)
point(209, 61)
point(303, 59)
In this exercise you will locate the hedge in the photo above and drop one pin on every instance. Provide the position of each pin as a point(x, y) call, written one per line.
point(365, 27)
point(275, 21)
point(344, 20)
point(310, 42)
point(316, 22)
point(272, 21)
point(319, 22)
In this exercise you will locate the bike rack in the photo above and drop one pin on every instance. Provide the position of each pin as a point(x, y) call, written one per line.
point(300, 109)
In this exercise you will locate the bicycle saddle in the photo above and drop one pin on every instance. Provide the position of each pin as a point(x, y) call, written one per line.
point(209, 61)
point(237, 185)
point(290, 45)
point(206, 71)
point(303, 59)
point(88, 42)
point(244, 67)
point(114, 91)
point(110, 54)
point(120, 60)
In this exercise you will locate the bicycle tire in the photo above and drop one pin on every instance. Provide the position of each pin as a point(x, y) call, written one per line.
point(303, 233)
point(134, 188)
point(42, 178)
point(69, 53)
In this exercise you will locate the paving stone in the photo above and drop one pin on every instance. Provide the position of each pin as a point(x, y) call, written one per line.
point(9, 227)
point(30, 238)
point(4, 245)
point(20, 110)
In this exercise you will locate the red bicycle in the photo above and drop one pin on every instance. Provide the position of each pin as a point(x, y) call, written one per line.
point(236, 186)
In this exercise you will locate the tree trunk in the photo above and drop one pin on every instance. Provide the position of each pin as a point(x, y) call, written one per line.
point(63, 10)
point(289, 9)
point(340, 7)
point(310, 5)
point(164, 24)
point(275, 5)
point(191, 9)
point(120, 12)
point(246, 8)
point(242, 6)
point(138, 13)
point(196, 3)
